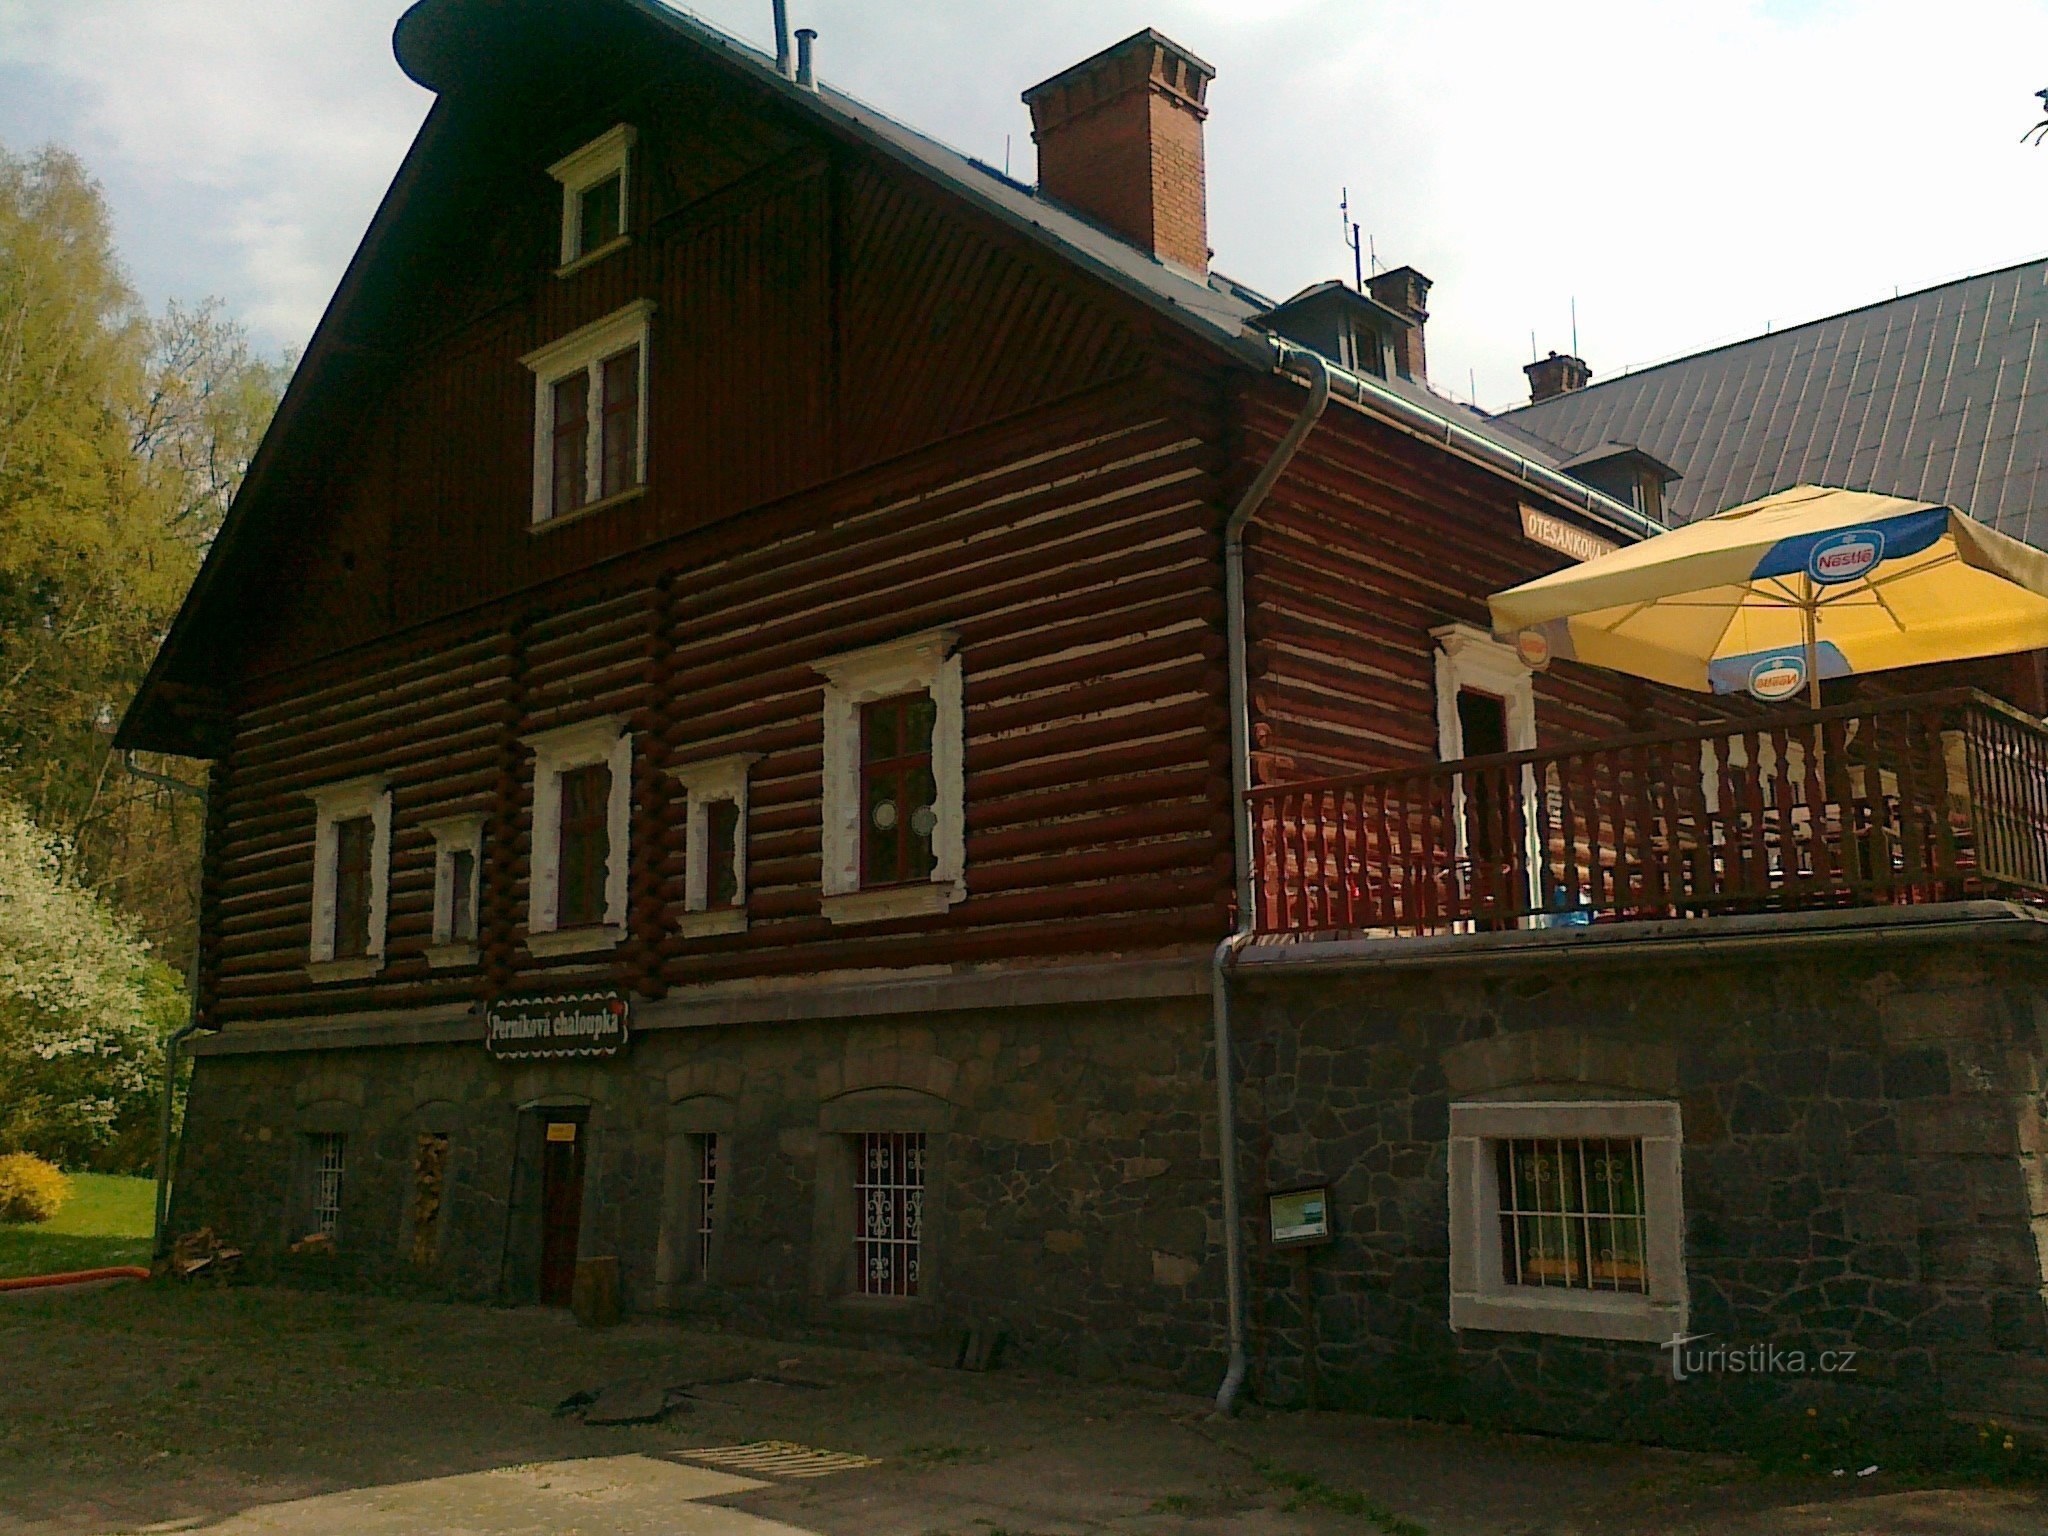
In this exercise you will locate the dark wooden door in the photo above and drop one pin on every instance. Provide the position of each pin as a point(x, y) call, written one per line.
point(561, 1208)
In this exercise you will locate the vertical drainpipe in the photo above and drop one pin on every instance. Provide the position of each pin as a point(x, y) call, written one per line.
point(1241, 848)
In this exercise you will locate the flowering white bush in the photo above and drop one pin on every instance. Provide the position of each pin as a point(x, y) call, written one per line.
point(83, 1010)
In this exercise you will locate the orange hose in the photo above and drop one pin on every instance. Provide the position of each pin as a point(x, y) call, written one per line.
point(75, 1277)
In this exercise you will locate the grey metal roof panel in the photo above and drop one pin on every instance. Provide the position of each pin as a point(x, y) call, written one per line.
point(1936, 395)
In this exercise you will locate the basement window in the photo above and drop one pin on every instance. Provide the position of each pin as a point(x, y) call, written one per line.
point(326, 1159)
point(590, 415)
point(707, 1200)
point(429, 1196)
point(582, 803)
point(1566, 1218)
point(888, 1223)
point(351, 879)
point(595, 185)
point(714, 844)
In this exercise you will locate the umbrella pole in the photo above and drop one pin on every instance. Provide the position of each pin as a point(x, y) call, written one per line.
point(1810, 611)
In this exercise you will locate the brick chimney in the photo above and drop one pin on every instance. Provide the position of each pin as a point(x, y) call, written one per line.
point(1119, 141)
point(1406, 292)
point(1556, 375)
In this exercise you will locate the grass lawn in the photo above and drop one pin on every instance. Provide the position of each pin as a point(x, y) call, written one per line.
point(105, 1222)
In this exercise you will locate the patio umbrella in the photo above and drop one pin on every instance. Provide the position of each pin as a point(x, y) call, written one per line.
point(1775, 595)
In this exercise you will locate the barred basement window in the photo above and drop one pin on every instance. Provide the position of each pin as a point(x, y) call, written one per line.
point(888, 1213)
point(1571, 1213)
point(707, 1199)
point(429, 1182)
point(329, 1154)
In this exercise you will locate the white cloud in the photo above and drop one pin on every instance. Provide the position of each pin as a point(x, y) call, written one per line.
point(1687, 172)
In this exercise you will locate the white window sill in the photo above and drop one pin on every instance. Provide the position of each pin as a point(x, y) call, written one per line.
point(697, 925)
point(576, 941)
point(1580, 1315)
point(446, 956)
point(892, 901)
point(355, 969)
point(591, 508)
point(596, 254)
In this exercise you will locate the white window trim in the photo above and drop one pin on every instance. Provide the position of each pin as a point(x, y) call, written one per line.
point(333, 804)
point(1468, 657)
point(1481, 1298)
point(609, 154)
point(582, 351)
point(555, 752)
point(924, 662)
point(718, 778)
point(455, 834)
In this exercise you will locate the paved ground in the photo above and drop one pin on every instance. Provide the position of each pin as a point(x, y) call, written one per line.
point(246, 1412)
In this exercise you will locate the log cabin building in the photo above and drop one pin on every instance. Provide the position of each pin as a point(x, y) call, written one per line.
point(718, 694)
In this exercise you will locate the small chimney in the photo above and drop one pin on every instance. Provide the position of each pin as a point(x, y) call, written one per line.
point(1119, 140)
point(1556, 375)
point(1406, 292)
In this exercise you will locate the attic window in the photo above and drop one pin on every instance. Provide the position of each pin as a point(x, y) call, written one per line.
point(1362, 348)
point(595, 185)
point(590, 415)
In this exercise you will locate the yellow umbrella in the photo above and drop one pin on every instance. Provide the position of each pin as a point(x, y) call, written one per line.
point(1777, 594)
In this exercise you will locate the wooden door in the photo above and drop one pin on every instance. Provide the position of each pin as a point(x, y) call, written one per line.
point(561, 1208)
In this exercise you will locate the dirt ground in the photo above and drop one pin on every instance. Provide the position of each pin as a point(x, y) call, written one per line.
point(250, 1411)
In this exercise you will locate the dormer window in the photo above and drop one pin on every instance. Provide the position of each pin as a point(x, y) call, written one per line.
point(594, 197)
point(590, 415)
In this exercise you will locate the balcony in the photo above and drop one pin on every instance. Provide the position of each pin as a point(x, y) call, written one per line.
point(1931, 798)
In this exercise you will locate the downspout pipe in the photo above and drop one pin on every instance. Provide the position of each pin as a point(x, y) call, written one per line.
point(1241, 853)
point(174, 1046)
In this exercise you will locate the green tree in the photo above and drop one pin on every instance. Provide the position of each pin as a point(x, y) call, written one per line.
point(122, 441)
point(84, 1009)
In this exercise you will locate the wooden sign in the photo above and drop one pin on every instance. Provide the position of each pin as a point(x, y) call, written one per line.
point(1566, 538)
point(557, 1024)
point(1298, 1217)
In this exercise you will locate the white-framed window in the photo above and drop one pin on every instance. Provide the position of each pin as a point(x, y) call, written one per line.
point(582, 812)
point(1485, 694)
point(351, 879)
point(714, 844)
point(590, 415)
point(458, 889)
point(895, 822)
point(1568, 1218)
point(596, 201)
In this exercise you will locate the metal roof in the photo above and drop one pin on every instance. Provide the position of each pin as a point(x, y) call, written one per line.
point(1939, 396)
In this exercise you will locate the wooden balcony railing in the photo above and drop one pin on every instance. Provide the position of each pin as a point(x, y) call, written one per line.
point(1936, 797)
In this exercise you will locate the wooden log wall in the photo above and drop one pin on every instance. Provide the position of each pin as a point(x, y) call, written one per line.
point(1369, 541)
point(1076, 553)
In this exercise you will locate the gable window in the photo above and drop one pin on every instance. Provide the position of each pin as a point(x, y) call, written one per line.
point(458, 863)
point(589, 414)
point(714, 844)
point(594, 197)
point(582, 786)
point(1566, 1218)
point(351, 879)
point(894, 814)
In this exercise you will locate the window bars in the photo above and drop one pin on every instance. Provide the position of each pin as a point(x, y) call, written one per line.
point(889, 1212)
point(329, 1150)
point(1571, 1213)
point(707, 1200)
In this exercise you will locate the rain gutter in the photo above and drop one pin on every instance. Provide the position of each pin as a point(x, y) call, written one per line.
point(1396, 410)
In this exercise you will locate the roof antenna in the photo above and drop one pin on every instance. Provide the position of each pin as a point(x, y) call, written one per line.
point(782, 66)
point(1006, 157)
point(1532, 348)
point(805, 75)
point(1575, 325)
point(1351, 240)
point(1372, 253)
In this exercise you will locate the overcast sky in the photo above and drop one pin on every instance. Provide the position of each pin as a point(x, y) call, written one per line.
point(1689, 173)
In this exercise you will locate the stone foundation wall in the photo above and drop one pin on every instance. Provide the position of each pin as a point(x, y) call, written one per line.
point(1072, 1202)
point(1863, 1169)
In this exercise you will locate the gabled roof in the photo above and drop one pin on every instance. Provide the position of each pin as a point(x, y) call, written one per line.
point(1939, 396)
point(510, 47)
